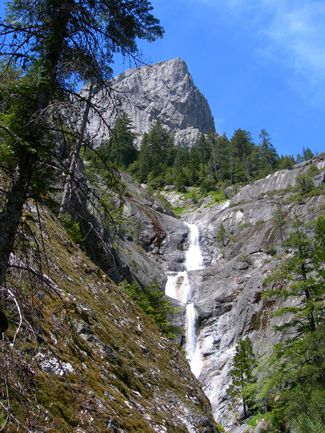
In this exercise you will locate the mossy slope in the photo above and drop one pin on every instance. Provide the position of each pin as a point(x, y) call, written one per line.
point(85, 357)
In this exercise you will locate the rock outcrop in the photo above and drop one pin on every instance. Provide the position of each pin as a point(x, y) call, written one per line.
point(228, 291)
point(163, 91)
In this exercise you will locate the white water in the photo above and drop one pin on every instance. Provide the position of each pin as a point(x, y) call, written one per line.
point(194, 259)
point(178, 287)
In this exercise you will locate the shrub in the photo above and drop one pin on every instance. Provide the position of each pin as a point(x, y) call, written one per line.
point(272, 251)
point(304, 183)
point(154, 303)
point(245, 258)
point(313, 170)
point(73, 229)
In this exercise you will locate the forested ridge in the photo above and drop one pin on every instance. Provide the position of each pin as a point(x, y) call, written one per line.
point(215, 159)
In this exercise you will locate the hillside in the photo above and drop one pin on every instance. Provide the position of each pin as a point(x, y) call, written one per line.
point(79, 355)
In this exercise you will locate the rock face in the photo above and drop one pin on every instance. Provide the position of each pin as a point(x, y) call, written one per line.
point(163, 91)
point(227, 293)
point(228, 290)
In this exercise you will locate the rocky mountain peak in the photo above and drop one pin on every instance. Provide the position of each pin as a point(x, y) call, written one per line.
point(163, 91)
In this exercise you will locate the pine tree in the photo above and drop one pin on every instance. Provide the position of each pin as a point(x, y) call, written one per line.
point(56, 44)
point(242, 373)
point(204, 151)
point(279, 219)
point(294, 373)
point(121, 149)
point(222, 235)
point(295, 279)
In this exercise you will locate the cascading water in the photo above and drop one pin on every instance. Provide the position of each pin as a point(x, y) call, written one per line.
point(178, 287)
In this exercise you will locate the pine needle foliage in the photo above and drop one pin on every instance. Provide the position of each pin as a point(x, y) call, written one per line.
point(154, 303)
point(242, 374)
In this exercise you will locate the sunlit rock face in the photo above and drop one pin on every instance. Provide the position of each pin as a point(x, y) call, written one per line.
point(163, 91)
point(227, 292)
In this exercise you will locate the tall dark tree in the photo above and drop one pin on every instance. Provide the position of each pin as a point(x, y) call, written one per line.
point(241, 148)
point(297, 274)
point(279, 219)
point(121, 148)
point(241, 143)
point(293, 375)
point(307, 154)
point(58, 43)
point(193, 166)
point(204, 151)
point(269, 157)
point(242, 373)
point(155, 152)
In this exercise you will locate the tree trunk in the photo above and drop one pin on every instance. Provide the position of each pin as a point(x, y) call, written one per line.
point(12, 210)
point(17, 194)
point(75, 154)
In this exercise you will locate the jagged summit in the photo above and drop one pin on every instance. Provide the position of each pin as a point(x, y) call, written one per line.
point(164, 91)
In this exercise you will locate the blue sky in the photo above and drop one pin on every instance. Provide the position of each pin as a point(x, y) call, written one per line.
point(259, 63)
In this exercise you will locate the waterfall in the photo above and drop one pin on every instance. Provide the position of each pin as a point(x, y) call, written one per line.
point(178, 287)
point(194, 259)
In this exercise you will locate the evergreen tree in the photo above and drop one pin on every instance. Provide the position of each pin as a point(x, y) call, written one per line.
point(193, 166)
point(269, 157)
point(286, 162)
point(297, 275)
point(220, 154)
point(204, 151)
point(58, 43)
point(241, 143)
point(121, 149)
point(222, 235)
point(304, 183)
point(156, 152)
point(293, 377)
point(307, 154)
point(242, 373)
point(279, 219)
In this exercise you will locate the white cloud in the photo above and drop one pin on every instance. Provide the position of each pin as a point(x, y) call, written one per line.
point(295, 29)
point(291, 32)
point(298, 37)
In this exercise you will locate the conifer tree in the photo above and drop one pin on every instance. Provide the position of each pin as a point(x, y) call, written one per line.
point(58, 43)
point(222, 235)
point(121, 147)
point(279, 220)
point(293, 376)
point(297, 275)
point(242, 373)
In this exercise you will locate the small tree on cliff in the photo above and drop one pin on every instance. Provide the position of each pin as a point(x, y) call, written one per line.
point(222, 235)
point(242, 373)
point(279, 220)
point(293, 382)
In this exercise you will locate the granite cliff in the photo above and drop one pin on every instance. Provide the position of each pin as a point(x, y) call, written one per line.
point(227, 292)
point(163, 91)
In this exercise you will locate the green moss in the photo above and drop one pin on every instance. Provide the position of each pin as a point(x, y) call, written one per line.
point(119, 351)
